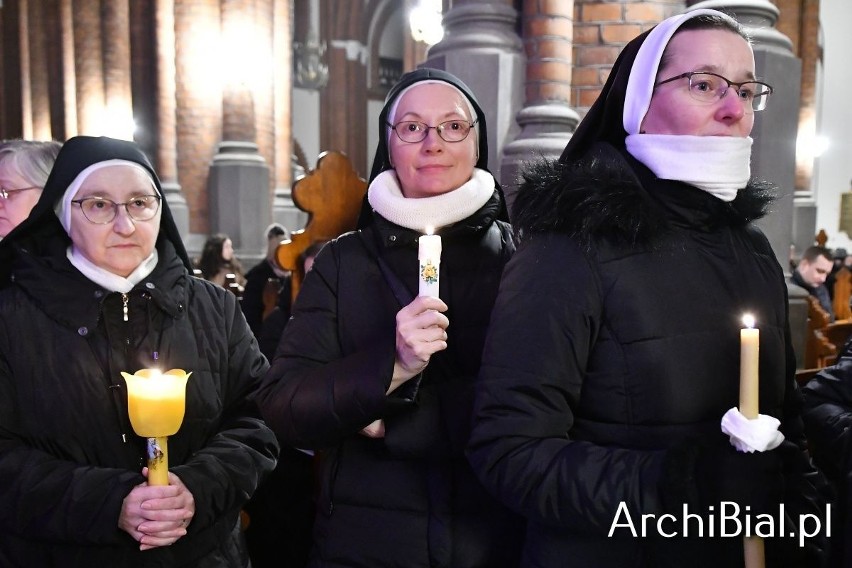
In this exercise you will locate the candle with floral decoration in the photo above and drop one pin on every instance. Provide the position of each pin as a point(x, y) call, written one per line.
point(429, 259)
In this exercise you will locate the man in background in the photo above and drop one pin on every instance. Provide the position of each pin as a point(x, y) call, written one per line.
point(813, 268)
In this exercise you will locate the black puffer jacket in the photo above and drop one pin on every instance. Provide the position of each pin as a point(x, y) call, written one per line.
point(408, 499)
point(65, 466)
point(68, 454)
point(615, 337)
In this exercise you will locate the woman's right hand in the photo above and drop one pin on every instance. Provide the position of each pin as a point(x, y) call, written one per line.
point(421, 331)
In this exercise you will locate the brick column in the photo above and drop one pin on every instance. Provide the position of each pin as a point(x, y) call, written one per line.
point(38, 72)
point(25, 62)
point(116, 57)
point(69, 73)
point(167, 165)
point(88, 62)
point(343, 119)
point(601, 31)
point(547, 119)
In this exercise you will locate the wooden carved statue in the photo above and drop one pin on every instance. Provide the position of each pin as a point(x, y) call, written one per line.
point(331, 195)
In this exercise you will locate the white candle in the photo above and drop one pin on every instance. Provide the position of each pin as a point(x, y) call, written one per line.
point(429, 259)
point(749, 373)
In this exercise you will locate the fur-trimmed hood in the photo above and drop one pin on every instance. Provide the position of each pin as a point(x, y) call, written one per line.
point(610, 195)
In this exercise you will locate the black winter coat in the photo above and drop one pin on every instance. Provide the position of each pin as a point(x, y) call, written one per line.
point(68, 455)
point(615, 337)
point(828, 424)
point(408, 499)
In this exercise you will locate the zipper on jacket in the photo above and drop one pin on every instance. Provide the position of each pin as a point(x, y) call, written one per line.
point(124, 300)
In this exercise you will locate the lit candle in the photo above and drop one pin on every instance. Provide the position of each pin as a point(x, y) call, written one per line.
point(429, 257)
point(156, 403)
point(753, 550)
point(749, 377)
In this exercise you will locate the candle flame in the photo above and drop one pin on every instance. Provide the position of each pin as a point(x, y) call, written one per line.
point(748, 321)
point(430, 230)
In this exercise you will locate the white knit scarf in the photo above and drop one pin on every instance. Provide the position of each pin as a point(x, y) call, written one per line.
point(108, 280)
point(720, 165)
point(429, 213)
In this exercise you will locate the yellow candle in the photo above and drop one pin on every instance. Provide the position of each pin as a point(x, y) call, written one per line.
point(749, 407)
point(429, 258)
point(749, 373)
point(156, 404)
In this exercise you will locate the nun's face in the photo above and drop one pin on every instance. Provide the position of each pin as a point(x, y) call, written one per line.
point(432, 166)
point(17, 206)
point(120, 245)
point(674, 111)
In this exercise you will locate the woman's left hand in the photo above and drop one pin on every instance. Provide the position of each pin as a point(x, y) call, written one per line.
point(157, 515)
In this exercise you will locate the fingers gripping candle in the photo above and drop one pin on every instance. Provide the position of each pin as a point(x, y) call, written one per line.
point(429, 257)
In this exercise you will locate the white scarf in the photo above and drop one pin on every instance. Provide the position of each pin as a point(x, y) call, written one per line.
point(429, 213)
point(105, 278)
point(720, 165)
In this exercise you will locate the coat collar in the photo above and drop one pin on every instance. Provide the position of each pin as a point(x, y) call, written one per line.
point(608, 194)
point(73, 300)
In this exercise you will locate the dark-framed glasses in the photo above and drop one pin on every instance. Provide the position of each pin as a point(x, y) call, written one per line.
point(101, 211)
point(413, 131)
point(710, 87)
point(9, 193)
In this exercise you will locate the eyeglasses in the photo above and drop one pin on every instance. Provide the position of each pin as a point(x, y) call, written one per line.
point(102, 211)
point(710, 87)
point(9, 193)
point(412, 131)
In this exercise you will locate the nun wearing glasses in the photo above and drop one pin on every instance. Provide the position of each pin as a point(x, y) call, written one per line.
point(614, 350)
point(379, 379)
point(94, 282)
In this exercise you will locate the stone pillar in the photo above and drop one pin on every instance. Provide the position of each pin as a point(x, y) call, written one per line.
point(284, 211)
point(238, 183)
point(774, 150)
point(482, 48)
point(774, 133)
point(167, 115)
point(547, 119)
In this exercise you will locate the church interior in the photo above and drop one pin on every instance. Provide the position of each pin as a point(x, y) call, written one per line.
point(236, 102)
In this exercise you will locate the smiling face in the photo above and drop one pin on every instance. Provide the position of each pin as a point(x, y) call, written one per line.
point(433, 166)
point(19, 204)
point(674, 111)
point(122, 244)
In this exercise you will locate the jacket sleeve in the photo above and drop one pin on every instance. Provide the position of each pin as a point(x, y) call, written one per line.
point(242, 450)
point(46, 495)
point(315, 394)
point(543, 327)
point(828, 416)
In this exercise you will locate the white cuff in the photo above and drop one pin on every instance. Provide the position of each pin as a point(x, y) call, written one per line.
point(758, 435)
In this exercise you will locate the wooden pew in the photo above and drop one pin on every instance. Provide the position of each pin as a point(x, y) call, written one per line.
point(842, 292)
point(331, 194)
point(819, 351)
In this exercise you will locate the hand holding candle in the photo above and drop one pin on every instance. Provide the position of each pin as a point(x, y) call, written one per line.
point(429, 257)
point(156, 403)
